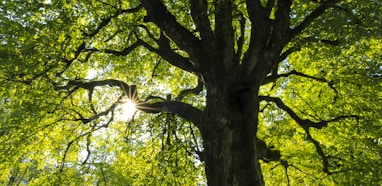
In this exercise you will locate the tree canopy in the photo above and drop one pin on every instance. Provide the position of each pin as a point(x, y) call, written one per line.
point(245, 92)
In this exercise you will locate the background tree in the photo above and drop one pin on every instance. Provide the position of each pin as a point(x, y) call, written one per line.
point(288, 87)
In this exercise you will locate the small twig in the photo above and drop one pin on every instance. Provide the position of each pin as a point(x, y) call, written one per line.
point(87, 149)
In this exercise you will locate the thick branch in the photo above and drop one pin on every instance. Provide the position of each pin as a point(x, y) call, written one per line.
point(169, 55)
point(184, 110)
point(260, 31)
point(281, 26)
point(158, 13)
point(270, 5)
point(266, 153)
point(240, 41)
point(129, 90)
point(286, 53)
point(200, 16)
point(320, 152)
point(224, 33)
point(254, 9)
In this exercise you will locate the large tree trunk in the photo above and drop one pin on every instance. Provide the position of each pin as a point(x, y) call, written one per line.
point(229, 127)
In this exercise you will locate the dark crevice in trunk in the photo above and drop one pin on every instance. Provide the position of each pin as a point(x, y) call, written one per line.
point(229, 137)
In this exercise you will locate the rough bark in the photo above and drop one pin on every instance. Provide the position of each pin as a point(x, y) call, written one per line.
point(232, 78)
point(229, 137)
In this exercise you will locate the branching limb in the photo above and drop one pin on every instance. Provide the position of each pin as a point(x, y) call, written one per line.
point(93, 129)
point(163, 51)
point(198, 151)
point(224, 33)
point(158, 13)
point(130, 90)
point(88, 142)
point(254, 10)
point(68, 62)
point(168, 54)
point(81, 48)
point(304, 123)
point(103, 113)
point(200, 16)
point(312, 16)
point(106, 21)
point(195, 91)
point(183, 110)
point(124, 52)
point(294, 72)
point(324, 158)
point(281, 26)
point(265, 153)
point(240, 41)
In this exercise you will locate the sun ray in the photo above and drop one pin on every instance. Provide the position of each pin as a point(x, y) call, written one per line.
point(127, 109)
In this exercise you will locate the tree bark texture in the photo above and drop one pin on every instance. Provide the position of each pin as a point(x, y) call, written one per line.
point(228, 127)
point(231, 75)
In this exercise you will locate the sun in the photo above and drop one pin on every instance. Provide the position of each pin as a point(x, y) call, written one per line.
point(127, 109)
point(128, 106)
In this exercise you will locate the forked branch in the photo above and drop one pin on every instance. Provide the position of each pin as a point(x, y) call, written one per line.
point(106, 21)
point(168, 54)
point(196, 90)
point(273, 78)
point(158, 14)
point(199, 13)
point(304, 123)
point(182, 109)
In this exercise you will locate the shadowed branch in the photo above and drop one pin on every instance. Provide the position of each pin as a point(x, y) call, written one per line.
point(106, 21)
point(199, 13)
point(273, 78)
point(168, 54)
point(313, 15)
point(158, 14)
point(306, 124)
point(186, 92)
point(181, 109)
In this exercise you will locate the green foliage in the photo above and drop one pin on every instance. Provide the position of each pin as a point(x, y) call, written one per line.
point(43, 139)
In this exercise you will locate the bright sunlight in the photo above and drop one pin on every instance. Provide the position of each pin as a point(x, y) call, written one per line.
point(126, 110)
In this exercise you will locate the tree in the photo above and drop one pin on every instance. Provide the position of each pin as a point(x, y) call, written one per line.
point(290, 87)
